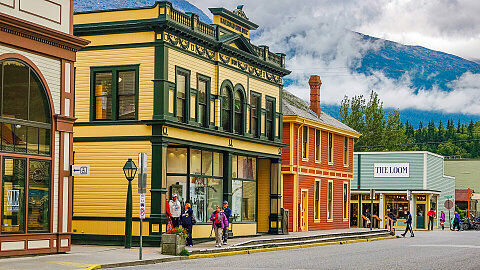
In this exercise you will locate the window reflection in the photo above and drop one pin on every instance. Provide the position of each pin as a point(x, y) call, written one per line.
point(38, 196)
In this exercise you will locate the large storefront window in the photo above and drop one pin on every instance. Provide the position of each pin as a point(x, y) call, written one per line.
point(397, 204)
point(25, 130)
point(244, 187)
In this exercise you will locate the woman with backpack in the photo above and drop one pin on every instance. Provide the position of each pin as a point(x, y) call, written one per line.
point(219, 222)
point(188, 221)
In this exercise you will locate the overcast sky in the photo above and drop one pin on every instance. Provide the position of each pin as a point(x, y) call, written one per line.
point(316, 31)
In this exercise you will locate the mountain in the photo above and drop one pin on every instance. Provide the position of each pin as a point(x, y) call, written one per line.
point(91, 5)
point(427, 68)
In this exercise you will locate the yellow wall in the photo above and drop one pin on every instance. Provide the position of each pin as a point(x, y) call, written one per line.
point(176, 58)
point(112, 130)
point(112, 16)
point(263, 194)
point(266, 89)
point(127, 38)
point(102, 227)
point(145, 57)
point(103, 193)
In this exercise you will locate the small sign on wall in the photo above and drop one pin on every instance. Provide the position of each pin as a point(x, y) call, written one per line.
point(400, 170)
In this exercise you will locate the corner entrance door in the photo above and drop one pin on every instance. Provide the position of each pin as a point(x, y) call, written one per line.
point(420, 216)
point(304, 211)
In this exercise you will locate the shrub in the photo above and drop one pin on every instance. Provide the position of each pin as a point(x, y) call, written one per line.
point(183, 233)
point(184, 253)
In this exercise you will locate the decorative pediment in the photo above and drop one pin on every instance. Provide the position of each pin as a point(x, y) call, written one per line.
point(240, 42)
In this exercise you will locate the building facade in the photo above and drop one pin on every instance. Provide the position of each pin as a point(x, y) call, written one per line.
point(403, 181)
point(37, 51)
point(202, 102)
point(317, 164)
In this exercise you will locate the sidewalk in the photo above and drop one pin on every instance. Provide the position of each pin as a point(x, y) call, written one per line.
point(92, 257)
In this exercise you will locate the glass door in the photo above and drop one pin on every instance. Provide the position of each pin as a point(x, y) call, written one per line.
point(13, 195)
point(420, 215)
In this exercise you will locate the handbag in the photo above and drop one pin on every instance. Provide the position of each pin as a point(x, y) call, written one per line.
point(194, 220)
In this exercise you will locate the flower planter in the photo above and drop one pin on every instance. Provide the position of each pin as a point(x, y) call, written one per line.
point(172, 244)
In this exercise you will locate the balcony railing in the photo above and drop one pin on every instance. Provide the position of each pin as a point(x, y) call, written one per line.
point(192, 22)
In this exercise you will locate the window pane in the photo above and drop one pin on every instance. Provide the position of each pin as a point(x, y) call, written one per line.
point(181, 90)
point(198, 197)
point(176, 160)
point(44, 141)
point(103, 95)
point(234, 167)
point(237, 195)
point(20, 138)
point(15, 90)
point(248, 203)
point(7, 137)
point(126, 107)
point(238, 106)
point(32, 140)
point(242, 167)
point(330, 202)
point(207, 163)
point(126, 83)
point(39, 109)
point(250, 174)
point(202, 92)
point(195, 161)
point(217, 164)
point(226, 109)
point(13, 214)
point(202, 114)
point(178, 185)
point(38, 196)
point(215, 195)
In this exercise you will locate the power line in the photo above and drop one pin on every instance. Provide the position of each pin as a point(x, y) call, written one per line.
point(414, 144)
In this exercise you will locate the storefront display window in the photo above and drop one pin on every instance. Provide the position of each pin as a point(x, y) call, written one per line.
point(243, 188)
point(38, 196)
point(13, 185)
point(398, 205)
point(177, 160)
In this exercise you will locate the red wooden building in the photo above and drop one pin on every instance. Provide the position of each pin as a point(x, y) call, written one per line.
point(316, 164)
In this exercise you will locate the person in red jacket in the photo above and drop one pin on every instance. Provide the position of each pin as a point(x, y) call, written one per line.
point(431, 216)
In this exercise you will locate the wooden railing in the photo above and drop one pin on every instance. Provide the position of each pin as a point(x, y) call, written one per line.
point(180, 17)
point(206, 29)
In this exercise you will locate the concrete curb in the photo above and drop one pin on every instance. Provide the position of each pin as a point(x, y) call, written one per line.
point(143, 262)
point(250, 251)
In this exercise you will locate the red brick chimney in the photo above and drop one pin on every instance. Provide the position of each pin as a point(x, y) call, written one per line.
point(315, 84)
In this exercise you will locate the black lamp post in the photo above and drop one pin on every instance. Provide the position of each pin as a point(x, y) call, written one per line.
point(129, 169)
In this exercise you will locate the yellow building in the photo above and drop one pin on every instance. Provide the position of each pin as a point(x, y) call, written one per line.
point(202, 102)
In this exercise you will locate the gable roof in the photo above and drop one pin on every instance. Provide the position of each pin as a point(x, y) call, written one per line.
point(294, 106)
point(240, 42)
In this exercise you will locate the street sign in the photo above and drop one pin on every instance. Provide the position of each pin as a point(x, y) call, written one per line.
point(475, 196)
point(448, 204)
point(409, 195)
point(142, 206)
point(447, 197)
point(80, 170)
point(372, 194)
point(142, 175)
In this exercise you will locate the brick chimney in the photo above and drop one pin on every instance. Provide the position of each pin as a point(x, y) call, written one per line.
point(315, 84)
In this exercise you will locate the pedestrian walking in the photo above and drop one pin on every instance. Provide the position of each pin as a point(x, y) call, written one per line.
point(442, 220)
point(408, 222)
point(456, 221)
point(187, 223)
point(431, 216)
point(368, 217)
point(175, 210)
point(219, 222)
point(228, 212)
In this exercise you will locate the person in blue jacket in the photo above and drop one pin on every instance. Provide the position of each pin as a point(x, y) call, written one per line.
point(187, 224)
point(409, 225)
point(456, 221)
point(228, 212)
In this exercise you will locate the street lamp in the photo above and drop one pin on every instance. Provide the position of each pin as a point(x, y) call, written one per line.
point(129, 169)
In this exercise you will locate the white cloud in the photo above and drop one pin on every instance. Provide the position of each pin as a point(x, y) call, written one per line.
point(316, 36)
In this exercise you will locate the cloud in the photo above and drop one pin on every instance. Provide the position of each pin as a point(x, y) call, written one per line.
point(317, 37)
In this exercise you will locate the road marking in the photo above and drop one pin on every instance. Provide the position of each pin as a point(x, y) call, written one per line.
point(450, 246)
point(74, 264)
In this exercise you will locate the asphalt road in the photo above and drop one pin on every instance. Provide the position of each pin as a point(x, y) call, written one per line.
point(427, 250)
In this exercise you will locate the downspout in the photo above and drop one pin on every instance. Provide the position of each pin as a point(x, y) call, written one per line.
point(298, 169)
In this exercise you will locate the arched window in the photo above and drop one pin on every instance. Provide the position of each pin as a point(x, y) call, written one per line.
point(226, 108)
point(238, 106)
point(25, 128)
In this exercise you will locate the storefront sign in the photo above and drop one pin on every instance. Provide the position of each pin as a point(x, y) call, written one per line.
point(13, 202)
point(391, 170)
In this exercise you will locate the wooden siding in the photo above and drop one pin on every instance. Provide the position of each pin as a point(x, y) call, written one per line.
point(195, 65)
point(265, 89)
point(103, 193)
point(144, 57)
point(263, 195)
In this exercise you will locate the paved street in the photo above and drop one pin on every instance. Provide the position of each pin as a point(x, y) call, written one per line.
point(427, 250)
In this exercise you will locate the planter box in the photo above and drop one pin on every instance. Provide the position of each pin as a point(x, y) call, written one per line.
point(172, 244)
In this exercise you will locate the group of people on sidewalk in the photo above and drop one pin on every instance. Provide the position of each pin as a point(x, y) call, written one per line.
point(219, 218)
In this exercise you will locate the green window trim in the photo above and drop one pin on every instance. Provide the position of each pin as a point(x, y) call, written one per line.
point(254, 96)
point(208, 100)
point(115, 104)
point(272, 120)
point(243, 108)
point(226, 86)
point(186, 109)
